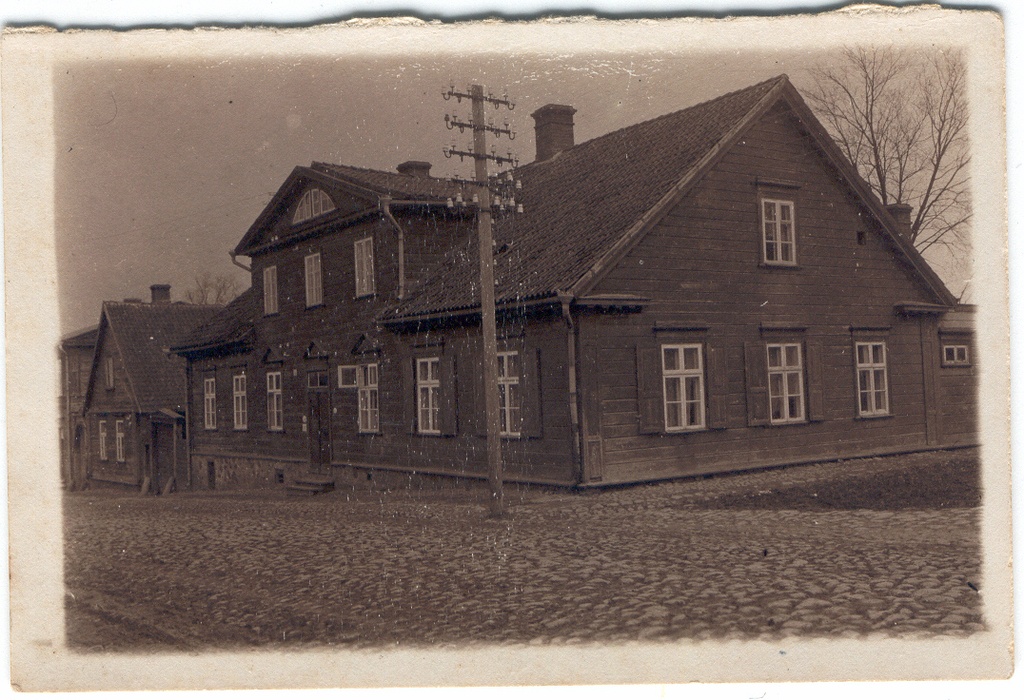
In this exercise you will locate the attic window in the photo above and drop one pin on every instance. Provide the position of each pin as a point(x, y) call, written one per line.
point(313, 203)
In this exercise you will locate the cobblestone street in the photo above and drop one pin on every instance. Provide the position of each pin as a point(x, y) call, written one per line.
point(661, 562)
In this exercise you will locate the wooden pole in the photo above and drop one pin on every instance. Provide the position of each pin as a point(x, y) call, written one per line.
point(488, 321)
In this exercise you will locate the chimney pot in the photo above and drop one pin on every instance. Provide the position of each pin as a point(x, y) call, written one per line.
point(554, 130)
point(415, 168)
point(901, 213)
point(160, 293)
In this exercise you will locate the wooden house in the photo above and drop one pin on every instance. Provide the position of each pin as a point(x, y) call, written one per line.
point(75, 352)
point(136, 395)
point(714, 289)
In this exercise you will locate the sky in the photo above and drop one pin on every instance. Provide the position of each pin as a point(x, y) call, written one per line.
point(162, 166)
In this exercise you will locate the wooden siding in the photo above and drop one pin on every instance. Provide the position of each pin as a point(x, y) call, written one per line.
point(701, 267)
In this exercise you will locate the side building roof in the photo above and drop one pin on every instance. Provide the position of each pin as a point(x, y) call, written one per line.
point(142, 334)
point(231, 326)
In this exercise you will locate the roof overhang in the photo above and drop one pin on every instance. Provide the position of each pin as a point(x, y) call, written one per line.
point(917, 308)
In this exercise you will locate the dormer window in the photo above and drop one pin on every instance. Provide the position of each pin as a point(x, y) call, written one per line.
point(313, 203)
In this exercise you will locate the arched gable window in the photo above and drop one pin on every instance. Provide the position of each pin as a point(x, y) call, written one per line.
point(313, 203)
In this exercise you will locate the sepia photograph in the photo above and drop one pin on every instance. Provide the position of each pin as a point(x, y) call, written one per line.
point(608, 351)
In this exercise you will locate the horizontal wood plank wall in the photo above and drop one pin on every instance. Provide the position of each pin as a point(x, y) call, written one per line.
point(958, 394)
point(701, 267)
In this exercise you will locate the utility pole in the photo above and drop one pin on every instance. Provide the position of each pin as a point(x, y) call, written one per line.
point(482, 198)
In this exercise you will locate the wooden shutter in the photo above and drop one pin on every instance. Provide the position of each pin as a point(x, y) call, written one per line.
point(530, 394)
point(448, 396)
point(718, 379)
point(409, 394)
point(650, 404)
point(756, 370)
point(815, 381)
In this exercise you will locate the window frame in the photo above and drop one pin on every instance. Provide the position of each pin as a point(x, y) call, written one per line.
point(507, 408)
point(108, 370)
point(270, 298)
point(353, 372)
point(680, 375)
point(119, 452)
point(368, 407)
point(778, 205)
point(275, 402)
point(313, 203)
point(240, 401)
point(786, 370)
point(314, 282)
point(102, 429)
point(432, 386)
point(365, 281)
point(871, 367)
point(210, 403)
point(966, 362)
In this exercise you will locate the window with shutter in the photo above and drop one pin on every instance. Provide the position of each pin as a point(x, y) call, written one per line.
point(718, 380)
point(532, 397)
point(756, 375)
point(651, 412)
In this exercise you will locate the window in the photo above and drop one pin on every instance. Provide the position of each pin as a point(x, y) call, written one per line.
point(347, 376)
point(954, 355)
point(210, 403)
point(785, 383)
point(119, 439)
point(778, 234)
point(509, 401)
point(108, 367)
point(369, 406)
point(872, 387)
point(270, 290)
point(314, 285)
point(364, 267)
point(428, 392)
point(241, 401)
point(316, 379)
point(275, 403)
point(103, 440)
point(313, 203)
point(683, 375)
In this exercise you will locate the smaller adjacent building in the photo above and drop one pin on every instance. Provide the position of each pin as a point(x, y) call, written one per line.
point(136, 394)
point(76, 351)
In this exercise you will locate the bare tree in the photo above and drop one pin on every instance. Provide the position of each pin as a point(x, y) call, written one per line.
point(208, 288)
point(901, 119)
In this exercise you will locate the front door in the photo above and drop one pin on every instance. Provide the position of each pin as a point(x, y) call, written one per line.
point(319, 430)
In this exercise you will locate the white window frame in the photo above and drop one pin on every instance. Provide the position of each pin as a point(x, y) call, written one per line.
point(119, 440)
point(103, 441)
point(240, 401)
point(510, 397)
point(348, 376)
point(683, 377)
point(772, 223)
point(314, 281)
point(872, 400)
point(270, 290)
point(314, 202)
point(956, 349)
point(368, 379)
point(787, 371)
point(363, 253)
point(108, 369)
point(428, 395)
point(275, 402)
point(210, 403)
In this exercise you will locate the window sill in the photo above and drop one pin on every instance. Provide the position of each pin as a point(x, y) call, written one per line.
point(958, 365)
point(368, 295)
point(275, 430)
point(317, 305)
point(777, 266)
point(684, 431)
point(371, 433)
point(240, 430)
point(784, 423)
point(272, 313)
point(873, 416)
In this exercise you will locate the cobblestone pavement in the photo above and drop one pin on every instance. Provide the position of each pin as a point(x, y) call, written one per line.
point(657, 562)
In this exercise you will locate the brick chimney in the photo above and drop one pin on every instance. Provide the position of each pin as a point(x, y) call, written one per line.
point(416, 168)
point(901, 212)
point(554, 129)
point(160, 293)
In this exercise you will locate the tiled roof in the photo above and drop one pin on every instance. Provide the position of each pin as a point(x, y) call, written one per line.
point(580, 203)
point(142, 333)
point(395, 185)
point(81, 339)
point(232, 324)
